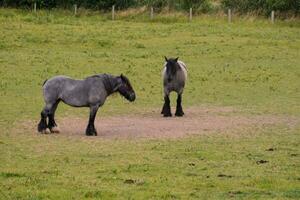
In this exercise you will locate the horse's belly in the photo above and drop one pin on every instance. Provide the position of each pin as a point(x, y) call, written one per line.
point(177, 87)
point(74, 100)
point(75, 96)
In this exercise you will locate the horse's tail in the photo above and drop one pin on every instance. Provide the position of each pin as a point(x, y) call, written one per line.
point(45, 82)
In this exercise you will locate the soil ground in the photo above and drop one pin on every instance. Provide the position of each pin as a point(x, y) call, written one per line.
point(197, 120)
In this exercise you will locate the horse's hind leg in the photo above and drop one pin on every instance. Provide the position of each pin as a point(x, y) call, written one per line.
point(42, 126)
point(166, 110)
point(52, 124)
point(90, 129)
point(179, 111)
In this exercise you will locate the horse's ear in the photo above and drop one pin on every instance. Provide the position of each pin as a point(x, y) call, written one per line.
point(176, 59)
point(166, 59)
point(122, 76)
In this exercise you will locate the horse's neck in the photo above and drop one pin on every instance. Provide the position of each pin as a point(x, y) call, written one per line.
point(110, 83)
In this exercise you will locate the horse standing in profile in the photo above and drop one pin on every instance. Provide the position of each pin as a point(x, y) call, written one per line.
point(90, 92)
point(174, 77)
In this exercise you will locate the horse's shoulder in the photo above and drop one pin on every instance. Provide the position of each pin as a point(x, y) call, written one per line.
point(182, 64)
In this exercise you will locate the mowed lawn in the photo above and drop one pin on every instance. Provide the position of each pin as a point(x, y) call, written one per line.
point(253, 66)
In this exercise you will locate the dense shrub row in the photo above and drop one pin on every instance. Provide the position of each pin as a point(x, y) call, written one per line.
point(263, 6)
point(89, 4)
point(258, 6)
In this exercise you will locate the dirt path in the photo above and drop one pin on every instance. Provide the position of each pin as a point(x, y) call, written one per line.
point(197, 120)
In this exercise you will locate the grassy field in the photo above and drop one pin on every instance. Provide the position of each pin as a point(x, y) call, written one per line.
point(253, 66)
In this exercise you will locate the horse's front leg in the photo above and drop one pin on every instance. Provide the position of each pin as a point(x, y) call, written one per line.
point(166, 110)
point(179, 111)
point(90, 130)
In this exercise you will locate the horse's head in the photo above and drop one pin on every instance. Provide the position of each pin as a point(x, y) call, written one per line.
point(172, 67)
point(125, 88)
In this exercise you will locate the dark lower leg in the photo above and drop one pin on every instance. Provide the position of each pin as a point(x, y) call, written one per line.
point(51, 123)
point(90, 130)
point(43, 122)
point(166, 110)
point(179, 111)
point(51, 114)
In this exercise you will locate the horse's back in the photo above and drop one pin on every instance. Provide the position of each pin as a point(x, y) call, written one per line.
point(75, 92)
point(54, 86)
point(55, 80)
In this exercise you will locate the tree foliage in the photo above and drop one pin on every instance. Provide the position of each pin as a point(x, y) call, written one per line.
point(260, 6)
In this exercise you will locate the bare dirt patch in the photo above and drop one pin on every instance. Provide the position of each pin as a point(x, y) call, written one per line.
point(198, 120)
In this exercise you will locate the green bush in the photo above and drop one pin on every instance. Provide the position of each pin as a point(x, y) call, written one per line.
point(243, 6)
point(197, 5)
point(90, 4)
point(200, 5)
point(263, 6)
point(28, 3)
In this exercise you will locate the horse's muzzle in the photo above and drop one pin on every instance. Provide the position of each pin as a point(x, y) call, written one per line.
point(132, 97)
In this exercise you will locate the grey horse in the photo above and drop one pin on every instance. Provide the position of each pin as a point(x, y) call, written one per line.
point(90, 92)
point(174, 76)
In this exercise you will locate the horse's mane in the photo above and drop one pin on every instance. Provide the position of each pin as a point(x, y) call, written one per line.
point(107, 81)
point(108, 84)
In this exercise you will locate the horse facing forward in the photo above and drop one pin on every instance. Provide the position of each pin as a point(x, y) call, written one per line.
point(174, 77)
point(90, 92)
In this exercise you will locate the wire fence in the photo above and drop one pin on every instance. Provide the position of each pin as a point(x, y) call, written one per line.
point(229, 13)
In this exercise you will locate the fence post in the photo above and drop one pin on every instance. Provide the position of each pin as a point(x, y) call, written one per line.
point(229, 15)
point(75, 9)
point(191, 14)
point(272, 16)
point(113, 12)
point(151, 13)
point(34, 7)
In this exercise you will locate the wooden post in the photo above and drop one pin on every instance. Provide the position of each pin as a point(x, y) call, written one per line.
point(151, 13)
point(272, 16)
point(34, 7)
point(229, 15)
point(191, 14)
point(75, 9)
point(113, 12)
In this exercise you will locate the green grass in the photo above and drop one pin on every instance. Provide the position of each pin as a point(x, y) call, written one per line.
point(250, 65)
point(244, 64)
point(214, 166)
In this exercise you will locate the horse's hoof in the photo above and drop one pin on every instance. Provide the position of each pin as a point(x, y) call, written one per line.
point(55, 129)
point(46, 131)
point(90, 131)
point(41, 127)
point(91, 134)
point(168, 115)
point(179, 114)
